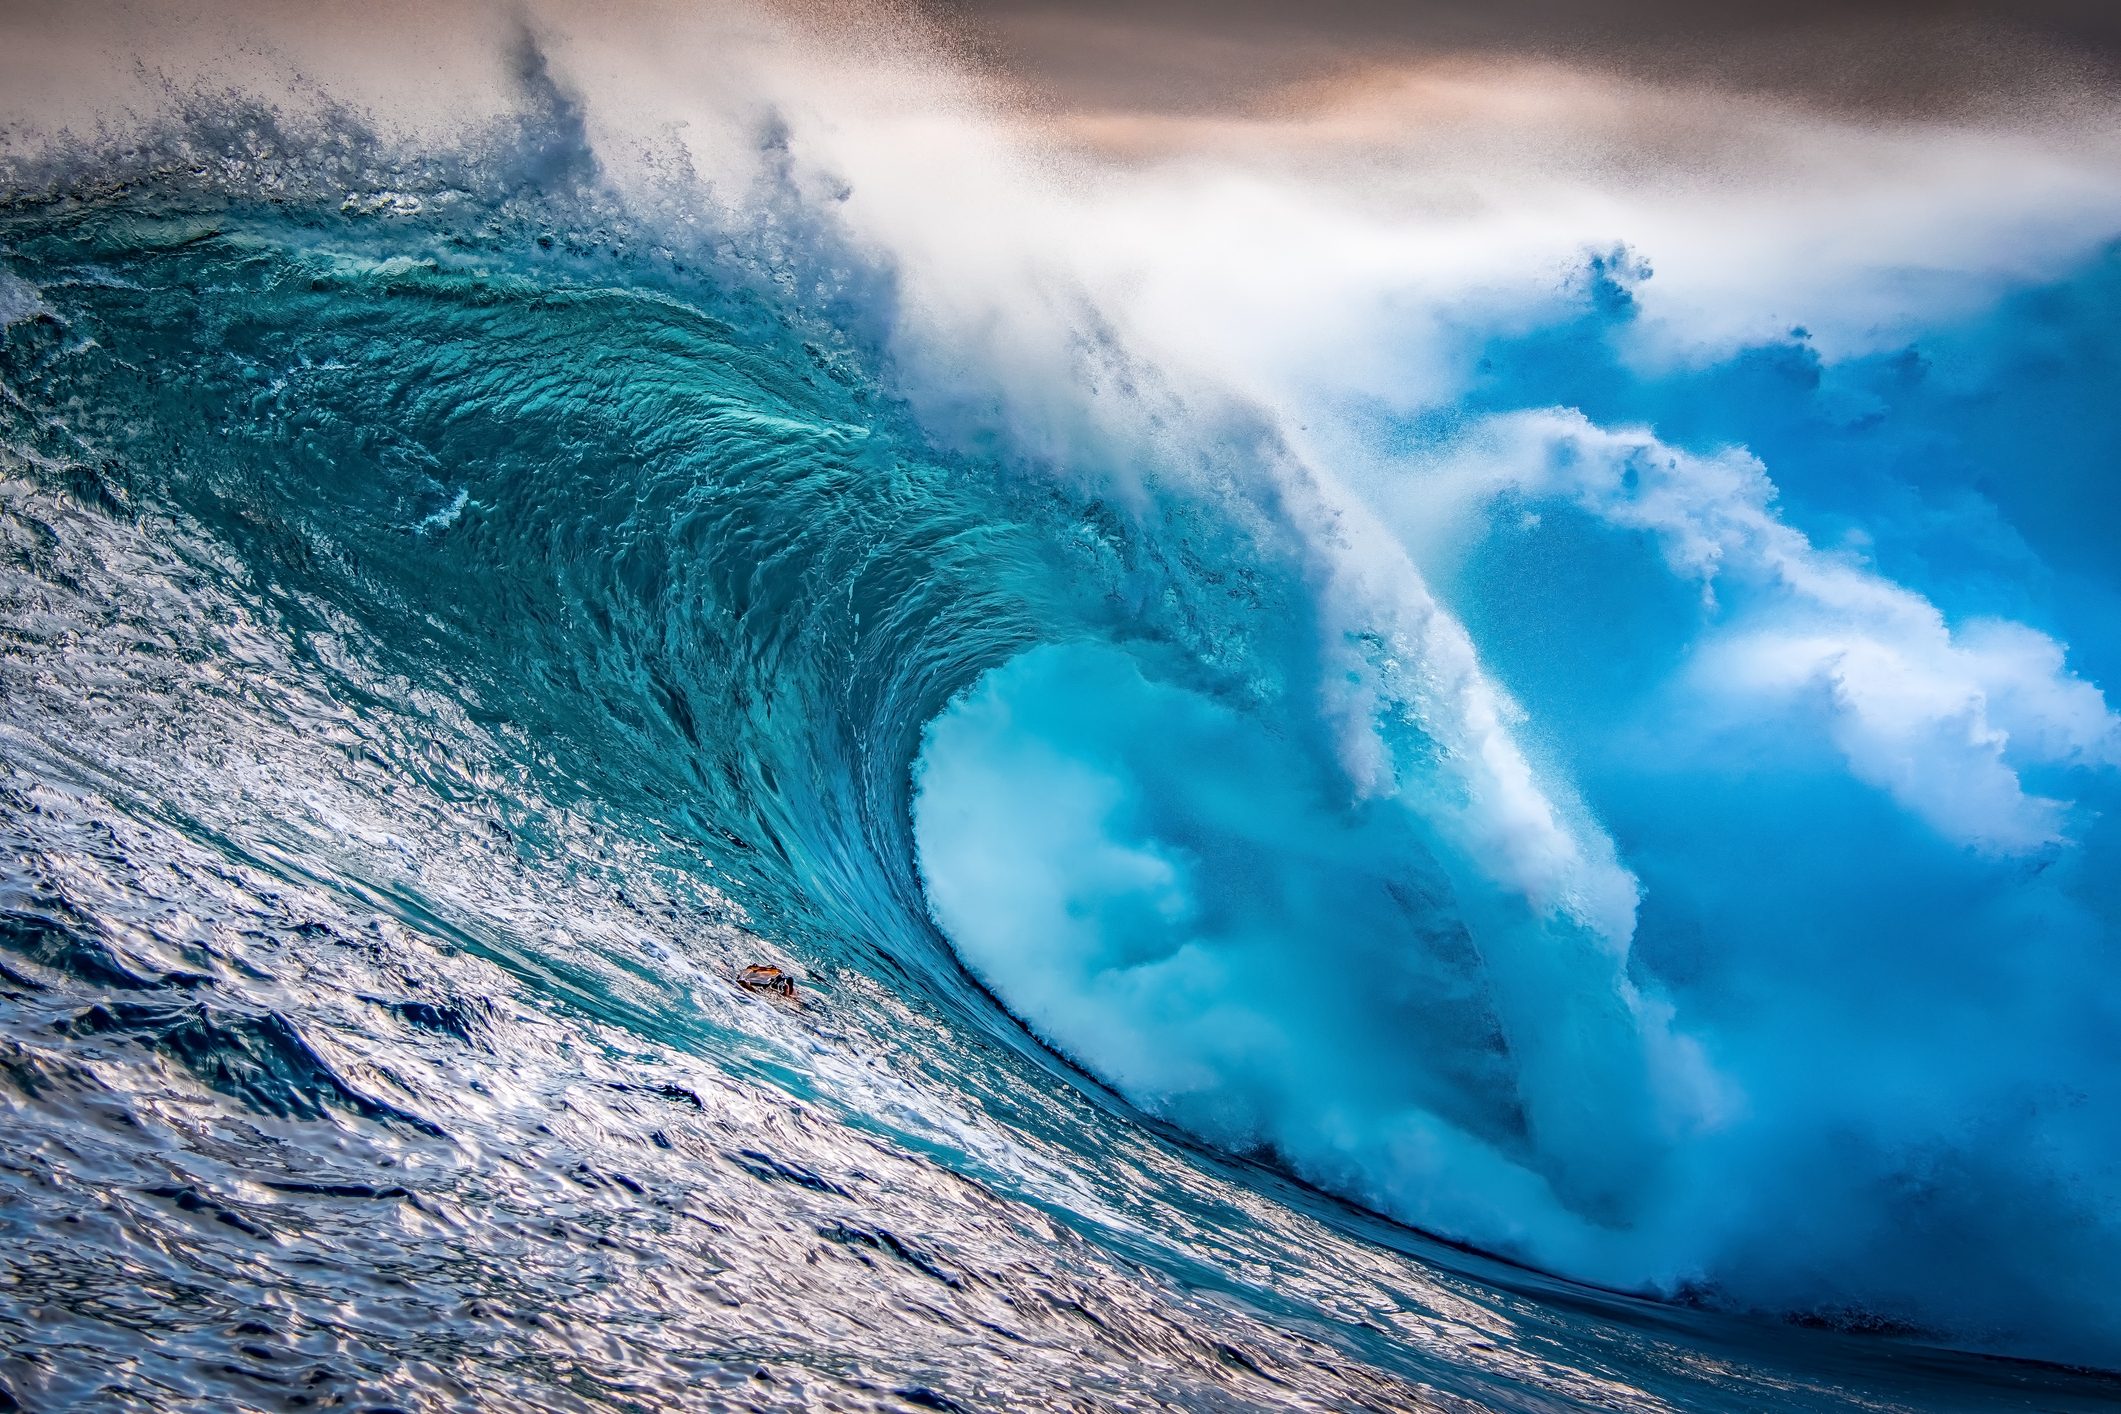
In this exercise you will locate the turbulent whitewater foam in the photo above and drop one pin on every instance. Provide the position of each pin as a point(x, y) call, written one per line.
point(1213, 671)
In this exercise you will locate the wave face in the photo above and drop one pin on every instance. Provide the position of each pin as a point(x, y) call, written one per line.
point(1638, 821)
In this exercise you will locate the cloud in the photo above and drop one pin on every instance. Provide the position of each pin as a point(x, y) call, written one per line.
point(1198, 57)
point(1942, 719)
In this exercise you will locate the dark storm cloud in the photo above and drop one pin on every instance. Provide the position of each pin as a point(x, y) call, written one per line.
point(1206, 55)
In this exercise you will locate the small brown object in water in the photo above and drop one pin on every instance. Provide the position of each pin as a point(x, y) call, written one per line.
point(764, 977)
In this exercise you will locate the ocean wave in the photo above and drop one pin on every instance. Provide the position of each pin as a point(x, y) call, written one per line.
point(464, 608)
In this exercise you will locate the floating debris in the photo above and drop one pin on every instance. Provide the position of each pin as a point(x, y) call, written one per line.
point(764, 977)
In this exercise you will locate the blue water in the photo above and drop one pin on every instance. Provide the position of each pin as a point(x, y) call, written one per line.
point(449, 633)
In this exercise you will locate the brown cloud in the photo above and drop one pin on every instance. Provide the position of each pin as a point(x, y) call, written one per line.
point(1879, 56)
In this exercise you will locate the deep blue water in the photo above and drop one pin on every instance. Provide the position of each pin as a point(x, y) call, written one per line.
point(445, 641)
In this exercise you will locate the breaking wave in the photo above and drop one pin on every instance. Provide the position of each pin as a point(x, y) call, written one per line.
point(1628, 814)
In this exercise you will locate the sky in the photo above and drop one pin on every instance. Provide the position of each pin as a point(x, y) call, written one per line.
point(1213, 55)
